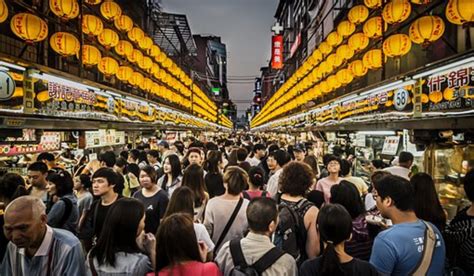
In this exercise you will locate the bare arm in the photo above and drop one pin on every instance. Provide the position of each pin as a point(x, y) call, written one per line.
point(312, 238)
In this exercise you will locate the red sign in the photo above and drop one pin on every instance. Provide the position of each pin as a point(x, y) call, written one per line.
point(277, 52)
point(295, 45)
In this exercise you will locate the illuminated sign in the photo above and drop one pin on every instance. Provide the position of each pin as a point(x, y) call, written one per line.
point(277, 52)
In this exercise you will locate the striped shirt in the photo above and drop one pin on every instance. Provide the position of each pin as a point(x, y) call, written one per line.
point(60, 253)
point(460, 241)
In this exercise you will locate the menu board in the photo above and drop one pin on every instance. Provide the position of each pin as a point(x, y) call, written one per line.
point(390, 146)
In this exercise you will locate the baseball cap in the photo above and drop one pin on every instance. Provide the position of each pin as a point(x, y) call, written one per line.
point(299, 147)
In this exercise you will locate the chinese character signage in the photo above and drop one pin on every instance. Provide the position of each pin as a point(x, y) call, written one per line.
point(277, 52)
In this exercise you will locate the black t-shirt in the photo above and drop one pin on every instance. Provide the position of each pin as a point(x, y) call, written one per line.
point(99, 217)
point(354, 268)
point(3, 239)
point(155, 207)
point(214, 184)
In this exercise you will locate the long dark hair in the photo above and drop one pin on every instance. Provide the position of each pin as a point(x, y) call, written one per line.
point(256, 177)
point(175, 169)
point(427, 205)
point(12, 185)
point(212, 162)
point(334, 226)
point(193, 177)
point(63, 181)
point(120, 230)
point(176, 241)
point(181, 201)
point(348, 196)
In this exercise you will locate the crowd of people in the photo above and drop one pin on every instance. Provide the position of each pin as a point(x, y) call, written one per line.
point(237, 206)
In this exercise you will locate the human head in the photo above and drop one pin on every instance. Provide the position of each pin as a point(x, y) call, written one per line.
point(213, 161)
point(262, 215)
point(37, 173)
point(378, 164)
point(133, 156)
point(153, 156)
point(60, 183)
point(82, 182)
point(172, 166)
point(193, 177)
point(12, 185)
point(147, 177)
point(25, 221)
point(345, 167)
point(107, 159)
point(312, 162)
point(469, 185)
point(299, 151)
point(176, 241)
point(281, 157)
point(104, 181)
point(405, 159)
point(333, 165)
point(120, 165)
point(295, 179)
point(393, 193)
point(426, 204)
point(179, 147)
point(181, 201)
point(124, 154)
point(163, 146)
point(47, 158)
point(348, 196)
point(334, 225)
point(256, 177)
point(235, 180)
point(133, 169)
point(242, 154)
point(124, 222)
point(194, 156)
point(259, 151)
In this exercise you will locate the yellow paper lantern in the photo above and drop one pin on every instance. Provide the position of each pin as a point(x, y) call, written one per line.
point(110, 10)
point(123, 23)
point(124, 73)
point(93, 2)
point(65, 44)
point(358, 68)
point(65, 9)
point(108, 66)
point(124, 48)
point(396, 45)
point(344, 52)
point(155, 70)
point(136, 34)
point(90, 55)
point(92, 25)
point(358, 14)
point(334, 60)
point(154, 51)
point(145, 43)
point(373, 27)
point(324, 87)
point(148, 84)
point(436, 96)
point(146, 63)
point(344, 76)
point(136, 79)
point(373, 4)
point(373, 59)
point(43, 96)
point(426, 29)
point(3, 11)
point(136, 56)
point(396, 11)
point(345, 28)
point(460, 12)
point(108, 38)
point(334, 39)
point(325, 48)
point(29, 27)
point(333, 82)
point(358, 42)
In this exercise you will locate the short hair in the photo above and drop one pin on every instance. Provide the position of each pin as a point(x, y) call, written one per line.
point(345, 167)
point(242, 154)
point(282, 157)
point(258, 147)
point(296, 178)
point(124, 154)
point(347, 195)
point(151, 172)
point(134, 153)
point(109, 174)
point(38, 167)
point(405, 157)
point(236, 179)
point(331, 158)
point(63, 181)
point(12, 185)
point(211, 146)
point(398, 189)
point(121, 162)
point(85, 181)
point(469, 185)
point(154, 153)
point(273, 147)
point(37, 206)
point(261, 211)
point(45, 156)
point(108, 158)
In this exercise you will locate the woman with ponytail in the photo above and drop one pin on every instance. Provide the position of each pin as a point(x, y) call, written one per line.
point(334, 225)
point(256, 182)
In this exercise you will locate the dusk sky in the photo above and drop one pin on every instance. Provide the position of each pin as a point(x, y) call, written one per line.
point(245, 28)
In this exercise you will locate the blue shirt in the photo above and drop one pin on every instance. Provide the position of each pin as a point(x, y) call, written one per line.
point(398, 250)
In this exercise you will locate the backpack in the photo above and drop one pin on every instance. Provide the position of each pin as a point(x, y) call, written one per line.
point(290, 235)
point(241, 268)
point(67, 211)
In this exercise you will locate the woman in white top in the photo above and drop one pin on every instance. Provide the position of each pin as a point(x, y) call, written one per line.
point(171, 180)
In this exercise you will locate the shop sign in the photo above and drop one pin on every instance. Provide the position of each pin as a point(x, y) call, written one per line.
point(7, 86)
point(61, 92)
point(11, 150)
point(359, 140)
point(390, 146)
point(51, 140)
point(295, 45)
point(104, 137)
point(400, 99)
point(277, 52)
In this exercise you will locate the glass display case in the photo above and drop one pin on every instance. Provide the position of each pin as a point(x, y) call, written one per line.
point(447, 164)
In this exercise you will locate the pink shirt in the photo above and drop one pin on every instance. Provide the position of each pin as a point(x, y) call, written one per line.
point(253, 194)
point(324, 185)
point(190, 268)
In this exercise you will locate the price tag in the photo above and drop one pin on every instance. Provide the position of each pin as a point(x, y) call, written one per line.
point(7, 86)
point(400, 99)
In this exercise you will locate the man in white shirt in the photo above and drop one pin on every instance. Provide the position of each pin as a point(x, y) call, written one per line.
point(262, 217)
point(259, 151)
point(282, 157)
point(405, 160)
